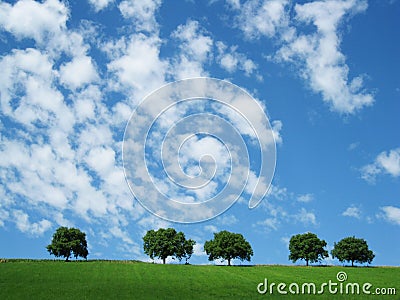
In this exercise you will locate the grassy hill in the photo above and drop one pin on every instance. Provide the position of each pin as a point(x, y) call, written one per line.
point(30, 279)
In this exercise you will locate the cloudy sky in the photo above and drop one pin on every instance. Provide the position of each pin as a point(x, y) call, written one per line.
point(325, 72)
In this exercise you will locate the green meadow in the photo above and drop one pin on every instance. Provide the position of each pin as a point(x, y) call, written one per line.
point(42, 279)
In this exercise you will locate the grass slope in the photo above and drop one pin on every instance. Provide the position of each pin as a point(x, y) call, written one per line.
point(135, 280)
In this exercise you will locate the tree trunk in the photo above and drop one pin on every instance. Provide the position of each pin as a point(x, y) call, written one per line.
point(229, 261)
point(67, 259)
point(307, 262)
point(352, 263)
point(163, 260)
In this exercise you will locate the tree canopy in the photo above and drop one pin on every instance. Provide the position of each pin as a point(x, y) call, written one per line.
point(184, 247)
point(308, 247)
point(67, 241)
point(352, 249)
point(228, 246)
point(162, 243)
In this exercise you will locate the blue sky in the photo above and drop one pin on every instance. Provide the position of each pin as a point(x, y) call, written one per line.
point(327, 73)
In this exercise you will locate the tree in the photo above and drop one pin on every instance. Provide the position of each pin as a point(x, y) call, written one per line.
point(307, 246)
point(188, 249)
point(167, 242)
point(184, 247)
point(67, 241)
point(228, 246)
point(352, 249)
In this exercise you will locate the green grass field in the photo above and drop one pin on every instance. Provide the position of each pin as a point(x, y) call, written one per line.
point(30, 279)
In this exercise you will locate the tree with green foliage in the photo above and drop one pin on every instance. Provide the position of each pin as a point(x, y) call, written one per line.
point(188, 247)
point(184, 247)
point(352, 249)
point(67, 241)
point(308, 247)
point(162, 243)
point(228, 246)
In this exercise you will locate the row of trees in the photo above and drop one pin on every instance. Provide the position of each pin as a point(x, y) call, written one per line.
point(225, 245)
point(310, 248)
point(159, 243)
point(167, 242)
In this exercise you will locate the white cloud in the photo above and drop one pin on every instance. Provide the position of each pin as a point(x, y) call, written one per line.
point(261, 17)
point(353, 146)
point(22, 221)
point(369, 172)
point(231, 60)
point(319, 57)
point(198, 249)
point(227, 220)
point(195, 41)
point(137, 64)
point(185, 68)
point(385, 162)
point(43, 153)
point(152, 222)
point(306, 217)
point(85, 103)
point(130, 250)
point(277, 192)
point(286, 241)
point(142, 12)
point(276, 131)
point(32, 19)
point(78, 72)
point(234, 4)
point(269, 223)
point(121, 113)
point(101, 159)
point(61, 221)
point(4, 215)
point(195, 46)
point(100, 4)
point(123, 235)
point(211, 228)
point(305, 198)
point(352, 211)
point(28, 75)
point(278, 214)
point(317, 54)
point(46, 23)
point(390, 162)
point(391, 214)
